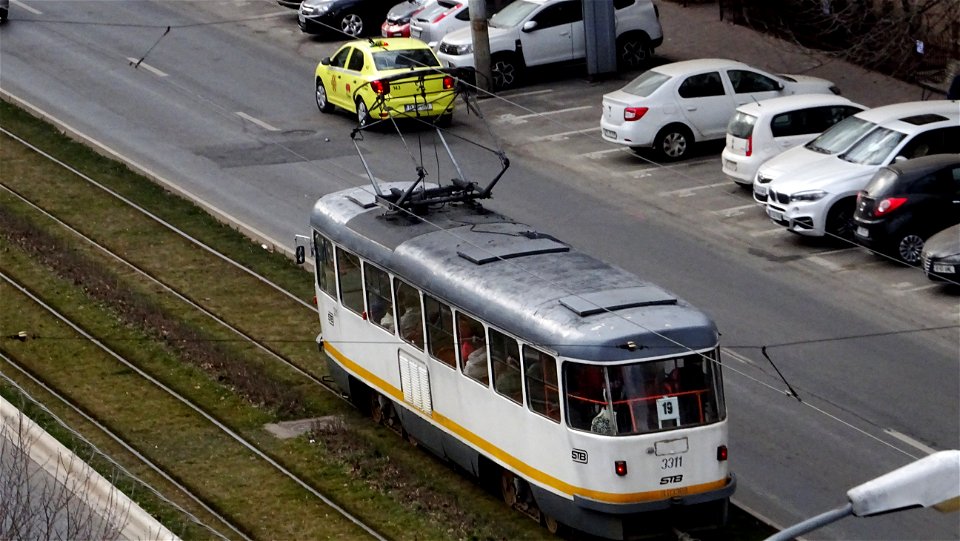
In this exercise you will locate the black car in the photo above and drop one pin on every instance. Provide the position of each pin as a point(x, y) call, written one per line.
point(907, 202)
point(941, 255)
point(343, 19)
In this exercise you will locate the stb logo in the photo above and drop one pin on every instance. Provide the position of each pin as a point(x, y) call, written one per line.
point(671, 479)
point(579, 455)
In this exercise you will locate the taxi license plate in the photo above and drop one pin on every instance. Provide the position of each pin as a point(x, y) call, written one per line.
point(775, 215)
point(731, 165)
point(862, 231)
point(940, 267)
point(610, 133)
point(418, 107)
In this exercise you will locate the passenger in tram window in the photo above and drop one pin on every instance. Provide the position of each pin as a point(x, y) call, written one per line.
point(411, 327)
point(476, 365)
point(469, 339)
point(387, 321)
point(688, 380)
point(507, 378)
point(585, 394)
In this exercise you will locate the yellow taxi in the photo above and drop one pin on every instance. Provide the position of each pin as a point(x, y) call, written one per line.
point(383, 78)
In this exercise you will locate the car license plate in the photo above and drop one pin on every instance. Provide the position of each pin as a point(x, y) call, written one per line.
point(302, 18)
point(862, 231)
point(418, 107)
point(941, 268)
point(415, 32)
point(760, 190)
point(610, 133)
point(775, 215)
point(731, 165)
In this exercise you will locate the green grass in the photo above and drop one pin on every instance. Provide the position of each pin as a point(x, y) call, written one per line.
point(402, 491)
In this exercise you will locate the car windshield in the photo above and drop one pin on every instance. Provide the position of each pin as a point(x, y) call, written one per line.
point(404, 59)
point(646, 396)
point(741, 125)
point(839, 137)
point(512, 14)
point(874, 148)
point(646, 83)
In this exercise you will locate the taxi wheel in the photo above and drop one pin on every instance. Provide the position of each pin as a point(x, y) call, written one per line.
point(363, 115)
point(505, 71)
point(322, 102)
point(673, 142)
point(352, 25)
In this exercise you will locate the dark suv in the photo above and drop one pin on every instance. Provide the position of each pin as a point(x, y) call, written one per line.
point(907, 202)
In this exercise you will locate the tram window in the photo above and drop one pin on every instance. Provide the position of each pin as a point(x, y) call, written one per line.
point(379, 299)
point(411, 315)
point(540, 379)
point(351, 285)
point(326, 274)
point(473, 348)
point(440, 331)
point(505, 360)
point(587, 409)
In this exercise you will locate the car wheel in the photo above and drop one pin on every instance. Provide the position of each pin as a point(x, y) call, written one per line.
point(840, 219)
point(505, 71)
point(909, 248)
point(352, 25)
point(633, 52)
point(322, 102)
point(673, 142)
point(3, 15)
point(363, 115)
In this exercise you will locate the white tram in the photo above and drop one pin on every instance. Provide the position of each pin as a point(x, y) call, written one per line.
point(593, 398)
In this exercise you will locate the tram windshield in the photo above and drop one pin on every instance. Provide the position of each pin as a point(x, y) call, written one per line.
point(644, 397)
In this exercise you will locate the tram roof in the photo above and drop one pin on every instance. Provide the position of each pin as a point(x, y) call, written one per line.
point(522, 281)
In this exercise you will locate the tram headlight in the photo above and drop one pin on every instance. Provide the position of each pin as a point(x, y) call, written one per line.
point(620, 467)
point(721, 453)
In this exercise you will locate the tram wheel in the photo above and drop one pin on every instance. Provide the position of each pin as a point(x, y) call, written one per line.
point(551, 524)
point(508, 488)
point(376, 407)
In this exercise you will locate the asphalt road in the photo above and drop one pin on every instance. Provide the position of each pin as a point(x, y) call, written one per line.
point(224, 111)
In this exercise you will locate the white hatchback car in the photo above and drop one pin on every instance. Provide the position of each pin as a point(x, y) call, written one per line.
point(439, 19)
point(762, 129)
point(674, 105)
point(812, 190)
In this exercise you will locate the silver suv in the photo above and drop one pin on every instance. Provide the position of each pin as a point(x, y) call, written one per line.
point(535, 32)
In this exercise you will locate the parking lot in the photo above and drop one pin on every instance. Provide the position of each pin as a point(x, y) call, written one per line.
point(559, 121)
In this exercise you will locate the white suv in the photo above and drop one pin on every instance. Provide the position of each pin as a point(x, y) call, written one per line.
point(812, 189)
point(537, 32)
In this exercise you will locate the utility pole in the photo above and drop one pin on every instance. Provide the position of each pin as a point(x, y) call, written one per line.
point(481, 43)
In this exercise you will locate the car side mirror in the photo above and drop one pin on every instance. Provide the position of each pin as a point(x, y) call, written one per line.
point(529, 26)
point(325, 61)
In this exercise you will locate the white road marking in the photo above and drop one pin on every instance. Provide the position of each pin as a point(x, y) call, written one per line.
point(522, 119)
point(597, 154)
point(737, 357)
point(766, 232)
point(921, 288)
point(256, 121)
point(26, 7)
point(838, 251)
point(733, 211)
point(909, 441)
point(562, 135)
point(684, 191)
point(148, 67)
point(829, 265)
point(530, 93)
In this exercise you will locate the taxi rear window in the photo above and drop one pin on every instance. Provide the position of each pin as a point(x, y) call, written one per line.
point(405, 59)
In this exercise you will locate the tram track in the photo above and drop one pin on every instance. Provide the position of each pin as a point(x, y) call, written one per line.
point(240, 334)
point(235, 436)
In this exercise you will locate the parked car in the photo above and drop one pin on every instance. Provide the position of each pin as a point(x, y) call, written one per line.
point(379, 79)
point(342, 18)
point(815, 194)
point(397, 23)
point(759, 130)
point(529, 33)
point(443, 17)
point(670, 107)
point(907, 202)
point(940, 258)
